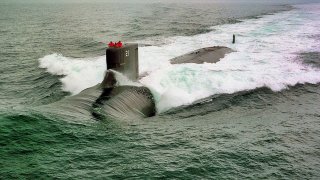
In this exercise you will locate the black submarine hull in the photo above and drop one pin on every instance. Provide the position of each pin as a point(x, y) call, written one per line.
point(109, 99)
point(133, 101)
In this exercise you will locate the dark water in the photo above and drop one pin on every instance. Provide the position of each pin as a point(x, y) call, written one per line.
point(30, 31)
point(246, 135)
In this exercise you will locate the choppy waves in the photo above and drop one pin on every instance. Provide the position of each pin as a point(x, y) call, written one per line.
point(267, 55)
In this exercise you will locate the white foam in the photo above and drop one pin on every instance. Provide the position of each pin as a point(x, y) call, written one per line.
point(122, 80)
point(267, 50)
point(79, 73)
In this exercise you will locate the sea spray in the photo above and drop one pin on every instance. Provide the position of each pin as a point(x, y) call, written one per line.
point(266, 56)
point(79, 74)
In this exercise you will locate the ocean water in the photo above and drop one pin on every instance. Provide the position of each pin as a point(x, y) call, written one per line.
point(254, 114)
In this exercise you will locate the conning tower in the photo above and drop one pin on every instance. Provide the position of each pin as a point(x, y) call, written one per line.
point(124, 59)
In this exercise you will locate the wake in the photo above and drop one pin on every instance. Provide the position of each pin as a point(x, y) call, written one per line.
point(266, 56)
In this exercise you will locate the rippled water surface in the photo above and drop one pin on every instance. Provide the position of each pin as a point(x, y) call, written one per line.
point(255, 114)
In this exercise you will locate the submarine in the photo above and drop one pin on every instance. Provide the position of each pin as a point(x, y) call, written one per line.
point(138, 101)
point(112, 98)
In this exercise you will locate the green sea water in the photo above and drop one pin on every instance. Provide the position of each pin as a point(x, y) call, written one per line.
point(253, 134)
